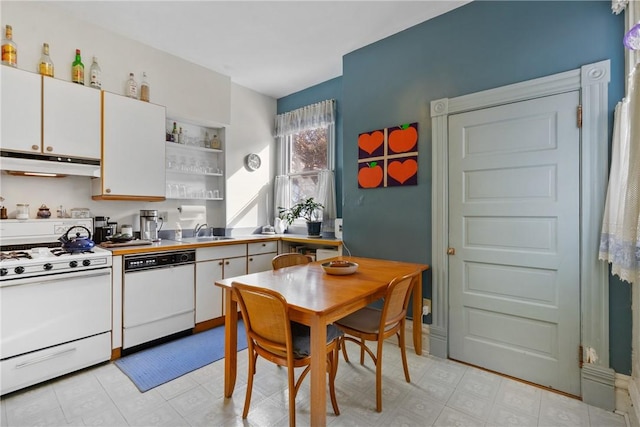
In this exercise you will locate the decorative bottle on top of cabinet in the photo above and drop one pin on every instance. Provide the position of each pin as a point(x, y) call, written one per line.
point(46, 64)
point(77, 69)
point(95, 74)
point(132, 87)
point(9, 48)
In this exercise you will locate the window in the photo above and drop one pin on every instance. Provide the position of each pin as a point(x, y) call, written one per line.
point(306, 154)
point(306, 140)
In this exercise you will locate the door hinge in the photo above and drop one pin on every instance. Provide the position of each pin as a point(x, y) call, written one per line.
point(579, 118)
point(580, 356)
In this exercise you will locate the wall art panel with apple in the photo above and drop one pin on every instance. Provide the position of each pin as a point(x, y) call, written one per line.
point(388, 157)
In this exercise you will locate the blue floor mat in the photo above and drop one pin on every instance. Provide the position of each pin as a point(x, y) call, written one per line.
point(158, 365)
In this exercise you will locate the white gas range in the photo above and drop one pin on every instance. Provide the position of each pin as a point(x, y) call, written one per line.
point(30, 248)
point(55, 306)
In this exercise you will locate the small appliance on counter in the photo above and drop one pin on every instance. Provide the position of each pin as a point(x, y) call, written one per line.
point(149, 226)
point(103, 229)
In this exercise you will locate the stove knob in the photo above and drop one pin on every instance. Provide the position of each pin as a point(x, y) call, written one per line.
point(3, 272)
point(47, 266)
point(86, 262)
point(19, 270)
point(73, 264)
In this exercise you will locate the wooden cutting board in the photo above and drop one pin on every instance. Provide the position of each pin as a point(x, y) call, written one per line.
point(124, 244)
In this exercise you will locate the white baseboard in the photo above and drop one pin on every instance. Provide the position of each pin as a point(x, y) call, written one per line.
point(634, 396)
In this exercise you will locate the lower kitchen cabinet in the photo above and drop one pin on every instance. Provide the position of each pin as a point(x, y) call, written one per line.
point(208, 296)
point(260, 255)
point(213, 263)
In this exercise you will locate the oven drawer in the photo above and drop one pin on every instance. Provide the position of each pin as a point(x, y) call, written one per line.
point(42, 312)
point(32, 368)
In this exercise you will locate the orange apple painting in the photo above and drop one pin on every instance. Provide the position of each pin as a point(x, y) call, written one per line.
point(370, 175)
point(388, 157)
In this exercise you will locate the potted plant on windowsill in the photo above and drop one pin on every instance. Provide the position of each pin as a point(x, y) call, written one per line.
point(309, 210)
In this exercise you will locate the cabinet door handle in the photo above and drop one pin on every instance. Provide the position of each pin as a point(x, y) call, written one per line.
point(226, 262)
point(49, 148)
point(250, 259)
point(107, 190)
point(220, 263)
point(35, 147)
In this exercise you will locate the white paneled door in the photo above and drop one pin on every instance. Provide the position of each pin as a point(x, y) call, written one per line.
point(514, 290)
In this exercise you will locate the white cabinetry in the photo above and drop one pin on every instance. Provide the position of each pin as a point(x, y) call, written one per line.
point(213, 263)
point(133, 151)
point(70, 120)
point(195, 168)
point(20, 97)
point(42, 115)
point(260, 255)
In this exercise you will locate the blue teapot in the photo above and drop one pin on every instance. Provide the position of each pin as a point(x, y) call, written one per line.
point(76, 243)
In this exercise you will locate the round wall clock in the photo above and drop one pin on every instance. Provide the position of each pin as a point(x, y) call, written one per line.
point(253, 161)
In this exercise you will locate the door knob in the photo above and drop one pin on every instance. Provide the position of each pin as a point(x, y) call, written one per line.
point(451, 251)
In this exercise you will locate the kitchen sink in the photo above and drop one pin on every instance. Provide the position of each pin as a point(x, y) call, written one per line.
point(206, 239)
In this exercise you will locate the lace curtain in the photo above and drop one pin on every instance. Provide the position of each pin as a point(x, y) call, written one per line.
point(620, 239)
point(316, 115)
point(327, 196)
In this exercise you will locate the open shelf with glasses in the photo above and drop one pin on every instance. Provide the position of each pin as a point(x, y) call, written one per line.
point(194, 170)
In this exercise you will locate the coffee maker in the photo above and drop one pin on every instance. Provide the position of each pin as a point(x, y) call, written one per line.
point(103, 229)
point(150, 225)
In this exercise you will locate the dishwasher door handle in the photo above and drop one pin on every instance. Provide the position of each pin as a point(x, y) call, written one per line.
point(146, 322)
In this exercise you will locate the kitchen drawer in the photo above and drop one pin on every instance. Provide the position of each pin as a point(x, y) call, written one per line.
point(32, 368)
point(220, 252)
point(262, 247)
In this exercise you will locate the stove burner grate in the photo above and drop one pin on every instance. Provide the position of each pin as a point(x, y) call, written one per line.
point(60, 251)
point(14, 255)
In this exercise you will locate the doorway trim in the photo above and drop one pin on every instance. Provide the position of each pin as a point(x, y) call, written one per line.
point(597, 378)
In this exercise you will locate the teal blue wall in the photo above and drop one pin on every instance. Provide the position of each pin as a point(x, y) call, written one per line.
point(479, 46)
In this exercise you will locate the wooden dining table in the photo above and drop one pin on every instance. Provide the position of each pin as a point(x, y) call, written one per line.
point(317, 299)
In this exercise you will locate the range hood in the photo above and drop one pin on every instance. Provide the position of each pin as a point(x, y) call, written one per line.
point(47, 165)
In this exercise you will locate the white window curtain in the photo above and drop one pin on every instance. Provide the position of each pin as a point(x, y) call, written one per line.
point(327, 196)
point(620, 239)
point(281, 194)
point(312, 116)
point(320, 114)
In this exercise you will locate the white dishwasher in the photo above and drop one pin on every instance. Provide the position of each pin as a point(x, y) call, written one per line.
point(158, 296)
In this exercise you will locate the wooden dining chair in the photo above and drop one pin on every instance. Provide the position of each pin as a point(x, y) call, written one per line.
point(373, 324)
point(287, 260)
point(273, 336)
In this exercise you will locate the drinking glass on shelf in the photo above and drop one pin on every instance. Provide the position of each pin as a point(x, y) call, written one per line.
point(174, 190)
point(201, 193)
point(182, 191)
point(169, 193)
point(182, 163)
point(216, 194)
point(209, 194)
point(171, 161)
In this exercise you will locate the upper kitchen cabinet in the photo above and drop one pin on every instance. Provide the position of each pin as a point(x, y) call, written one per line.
point(49, 116)
point(21, 97)
point(133, 150)
point(71, 119)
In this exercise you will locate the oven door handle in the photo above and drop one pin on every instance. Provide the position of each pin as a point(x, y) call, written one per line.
point(56, 277)
point(44, 358)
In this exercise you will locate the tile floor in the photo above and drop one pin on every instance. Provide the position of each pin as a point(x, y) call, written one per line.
point(441, 393)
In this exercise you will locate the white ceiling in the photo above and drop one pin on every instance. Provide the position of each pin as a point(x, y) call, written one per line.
point(273, 47)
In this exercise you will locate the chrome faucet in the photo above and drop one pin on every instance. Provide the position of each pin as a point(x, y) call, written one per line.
point(198, 228)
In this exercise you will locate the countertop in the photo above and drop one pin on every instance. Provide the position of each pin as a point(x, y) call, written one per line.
point(171, 245)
